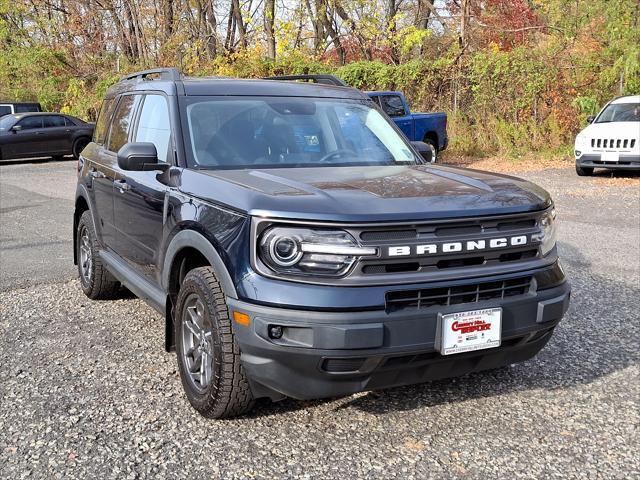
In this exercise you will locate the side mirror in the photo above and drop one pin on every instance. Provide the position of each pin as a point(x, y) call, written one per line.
point(16, 128)
point(424, 150)
point(139, 156)
point(590, 119)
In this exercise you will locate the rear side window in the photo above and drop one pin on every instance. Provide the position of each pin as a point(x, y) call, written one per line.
point(392, 105)
point(30, 123)
point(51, 121)
point(102, 125)
point(154, 126)
point(5, 110)
point(121, 124)
point(26, 108)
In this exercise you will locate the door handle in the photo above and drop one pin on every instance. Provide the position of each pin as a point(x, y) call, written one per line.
point(122, 185)
point(96, 174)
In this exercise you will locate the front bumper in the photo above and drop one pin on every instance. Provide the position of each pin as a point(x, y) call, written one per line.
point(593, 160)
point(326, 354)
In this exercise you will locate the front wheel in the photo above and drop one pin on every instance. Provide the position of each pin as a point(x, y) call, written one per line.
point(584, 171)
point(208, 355)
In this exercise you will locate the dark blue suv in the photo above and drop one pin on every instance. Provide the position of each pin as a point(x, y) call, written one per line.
point(298, 245)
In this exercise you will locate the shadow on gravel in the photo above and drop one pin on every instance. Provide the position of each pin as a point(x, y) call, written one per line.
point(593, 340)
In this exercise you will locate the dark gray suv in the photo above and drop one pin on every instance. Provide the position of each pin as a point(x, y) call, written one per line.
point(296, 244)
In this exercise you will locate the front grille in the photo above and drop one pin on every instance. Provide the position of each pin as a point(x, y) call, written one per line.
point(453, 295)
point(613, 143)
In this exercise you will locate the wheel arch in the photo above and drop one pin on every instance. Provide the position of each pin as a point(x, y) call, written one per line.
point(82, 205)
point(187, 250)
point(433, 136)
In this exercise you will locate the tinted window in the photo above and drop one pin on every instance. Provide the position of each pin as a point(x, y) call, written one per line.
point(102, 125)
point(29, 123)
point(53, 121)
point(121, 124)
point(392, 105)
point(7, 122)
point(5, 110)
point(153, 125)
point(69, 122)
point(26, 108)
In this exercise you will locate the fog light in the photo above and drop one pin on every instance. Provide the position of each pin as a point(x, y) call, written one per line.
point(275, 331)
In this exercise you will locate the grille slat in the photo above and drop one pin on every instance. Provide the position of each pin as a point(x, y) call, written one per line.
point(455, 295)
point(613, 143)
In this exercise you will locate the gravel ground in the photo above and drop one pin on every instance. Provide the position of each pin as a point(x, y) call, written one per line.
point(87, 391)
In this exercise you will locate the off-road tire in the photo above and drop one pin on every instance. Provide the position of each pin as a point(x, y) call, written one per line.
point(228, 394)
point(584, 171)
point(100, 284)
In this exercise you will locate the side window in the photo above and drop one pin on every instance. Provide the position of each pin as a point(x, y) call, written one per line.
point(154, 125)
point(392, 105)
point(26, 108)
point(68, 122)
point(102, 125)
point(121, 124)
point(5, 110)
point(51, 121)
point(376, 100)
point(30, 123)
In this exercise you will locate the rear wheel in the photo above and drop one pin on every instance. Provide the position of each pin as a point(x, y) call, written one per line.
point(434, 149)
point(78, 146)
point(96, 282)
point(208, 355)
point(584, 171)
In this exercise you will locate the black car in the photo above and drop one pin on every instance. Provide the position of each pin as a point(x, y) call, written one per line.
point(297, 244)
point(31, 135)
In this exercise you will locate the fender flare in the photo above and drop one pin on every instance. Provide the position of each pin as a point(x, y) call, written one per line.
point(193, 239)
point(81, 192)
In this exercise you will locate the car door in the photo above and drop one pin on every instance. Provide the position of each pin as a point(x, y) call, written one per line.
point(139, 196)
point(25, 142)
point(56, 135)
point(104, 164)
point(394, 107)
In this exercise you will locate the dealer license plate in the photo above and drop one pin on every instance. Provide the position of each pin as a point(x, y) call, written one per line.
point(610, 157)
point(472, 330)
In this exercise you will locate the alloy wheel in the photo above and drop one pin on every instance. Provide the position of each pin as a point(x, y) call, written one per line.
point(197, 343)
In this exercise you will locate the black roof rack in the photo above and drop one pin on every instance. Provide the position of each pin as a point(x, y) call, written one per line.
point(165, 74)
point(323, 79)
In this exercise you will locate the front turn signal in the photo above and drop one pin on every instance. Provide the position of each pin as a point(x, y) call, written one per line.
point(241, 318)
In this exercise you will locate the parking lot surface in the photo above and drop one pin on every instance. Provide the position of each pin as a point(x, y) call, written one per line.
point(86, 390)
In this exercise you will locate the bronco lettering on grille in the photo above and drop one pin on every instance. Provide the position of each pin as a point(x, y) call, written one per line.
point(453, 247)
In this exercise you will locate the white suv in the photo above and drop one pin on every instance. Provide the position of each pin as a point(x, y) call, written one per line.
point(612, 140)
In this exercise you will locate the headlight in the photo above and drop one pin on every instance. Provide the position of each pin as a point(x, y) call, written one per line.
point(547, 235)
point(305, 251)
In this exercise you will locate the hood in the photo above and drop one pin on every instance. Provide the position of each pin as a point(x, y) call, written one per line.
point(611, 130)
point(362, 194)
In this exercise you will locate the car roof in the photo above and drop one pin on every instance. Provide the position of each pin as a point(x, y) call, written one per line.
point(627, 99)
point(8, 102)
point(223, 86)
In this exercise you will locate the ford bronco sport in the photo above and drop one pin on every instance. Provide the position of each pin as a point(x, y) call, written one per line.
point(298, 245)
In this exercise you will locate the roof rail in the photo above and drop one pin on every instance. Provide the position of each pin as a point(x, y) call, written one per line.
point(323, 79)
point(165, 74)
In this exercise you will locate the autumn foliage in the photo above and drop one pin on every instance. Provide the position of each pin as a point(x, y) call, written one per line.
point(514, 75)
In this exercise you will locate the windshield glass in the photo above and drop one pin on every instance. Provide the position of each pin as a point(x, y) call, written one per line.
point(620, 112)
point(7, 122)
point(263, 132)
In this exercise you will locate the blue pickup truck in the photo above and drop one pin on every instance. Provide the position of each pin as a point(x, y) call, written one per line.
point(430, 128)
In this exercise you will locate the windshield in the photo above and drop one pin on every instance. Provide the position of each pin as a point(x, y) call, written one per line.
point(7, 122)
point(620, 112)
point(289, 132)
